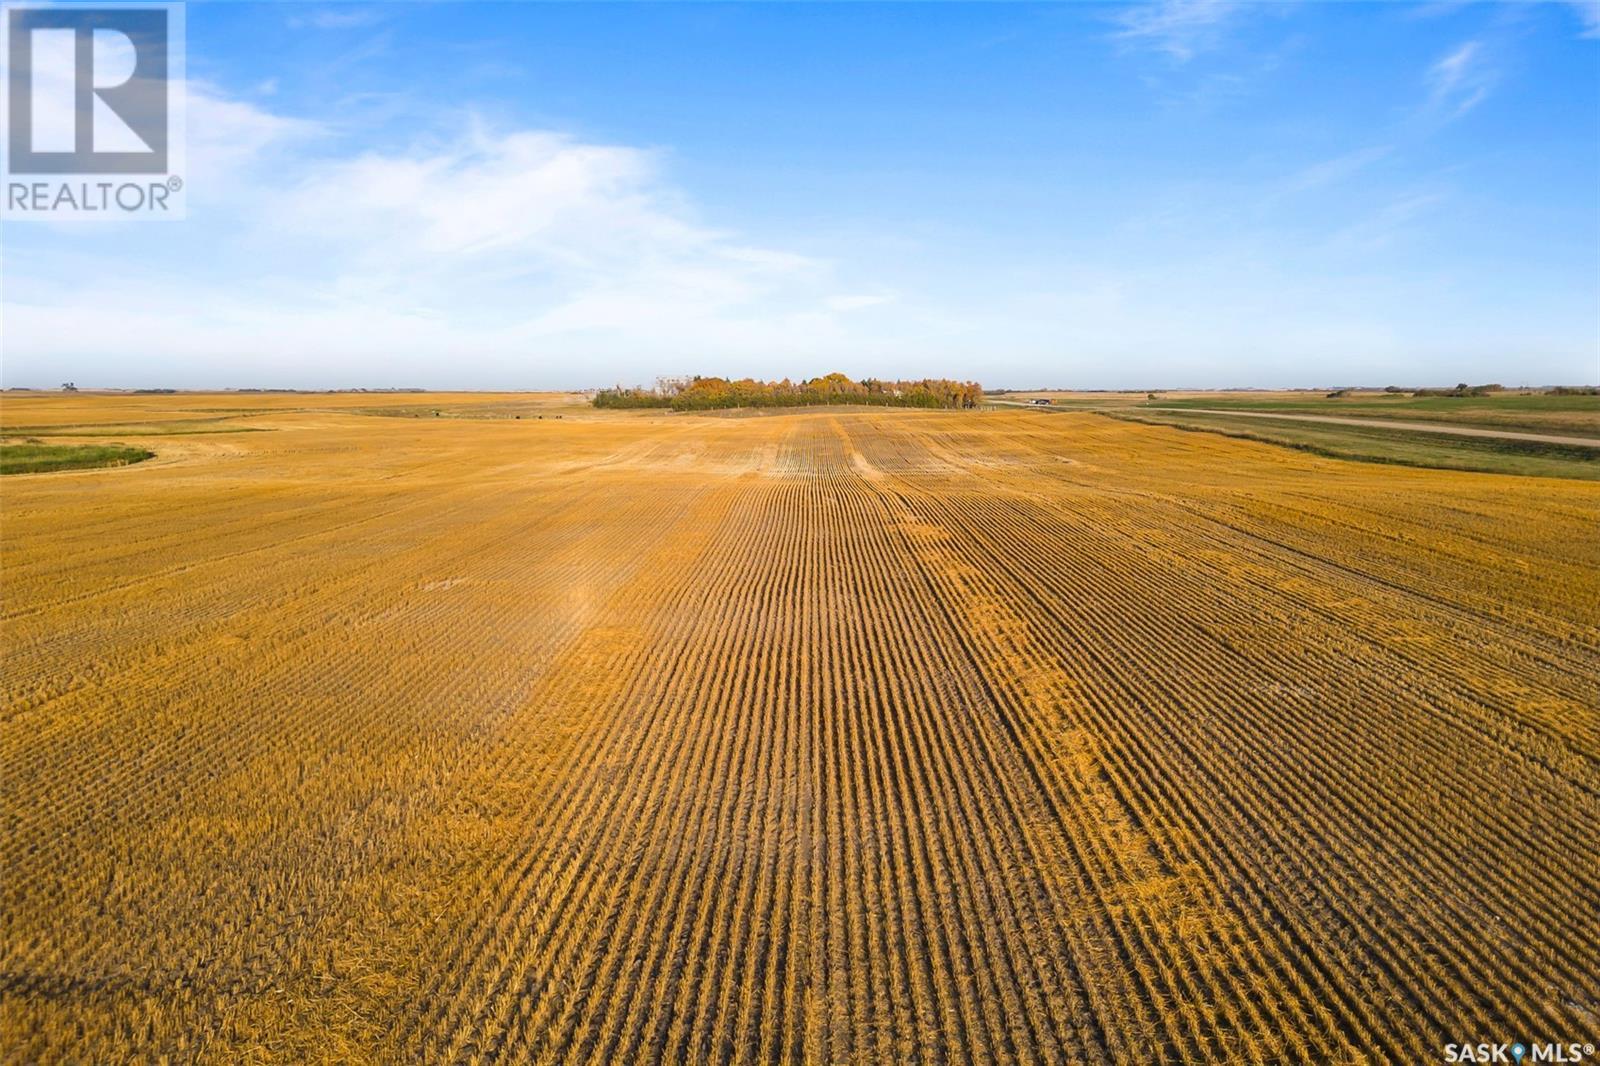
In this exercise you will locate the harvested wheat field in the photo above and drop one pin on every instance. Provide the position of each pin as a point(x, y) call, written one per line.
point(825, 736)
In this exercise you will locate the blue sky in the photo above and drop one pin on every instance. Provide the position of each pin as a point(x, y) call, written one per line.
point(1192, 193)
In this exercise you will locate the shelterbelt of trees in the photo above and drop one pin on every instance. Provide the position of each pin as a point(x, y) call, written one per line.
point(706, 393)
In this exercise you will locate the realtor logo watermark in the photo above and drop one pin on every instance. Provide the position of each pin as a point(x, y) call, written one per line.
point(94, 111)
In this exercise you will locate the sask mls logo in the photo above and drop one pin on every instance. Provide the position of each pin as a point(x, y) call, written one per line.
point(93, 92)
point(1519, 1053)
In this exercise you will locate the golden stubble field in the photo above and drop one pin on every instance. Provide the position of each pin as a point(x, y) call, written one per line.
point(833, 736)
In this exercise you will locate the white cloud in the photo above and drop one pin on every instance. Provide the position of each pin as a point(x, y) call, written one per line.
point(525, 225)
point(1180, 28)
point(1460, 81)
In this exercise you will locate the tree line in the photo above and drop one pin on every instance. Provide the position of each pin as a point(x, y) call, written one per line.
point(712, 393)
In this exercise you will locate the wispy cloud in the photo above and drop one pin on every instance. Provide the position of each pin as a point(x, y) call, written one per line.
point(1180, 28)
point(1461, 80)
point(1338, 169)
point(340, 18)
point(1588, 12)
point(858, 301)
point(1432, 9)
point(1391, 222)
point(231, 140)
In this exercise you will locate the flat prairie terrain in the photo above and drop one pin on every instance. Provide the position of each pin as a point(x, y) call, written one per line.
point(380, 734)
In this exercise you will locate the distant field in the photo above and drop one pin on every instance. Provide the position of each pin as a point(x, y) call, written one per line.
point(837, 736)
point(552, 405)
point(86, 412)
point(1383, 441)
point(1578, 416)
point(1384, 444)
